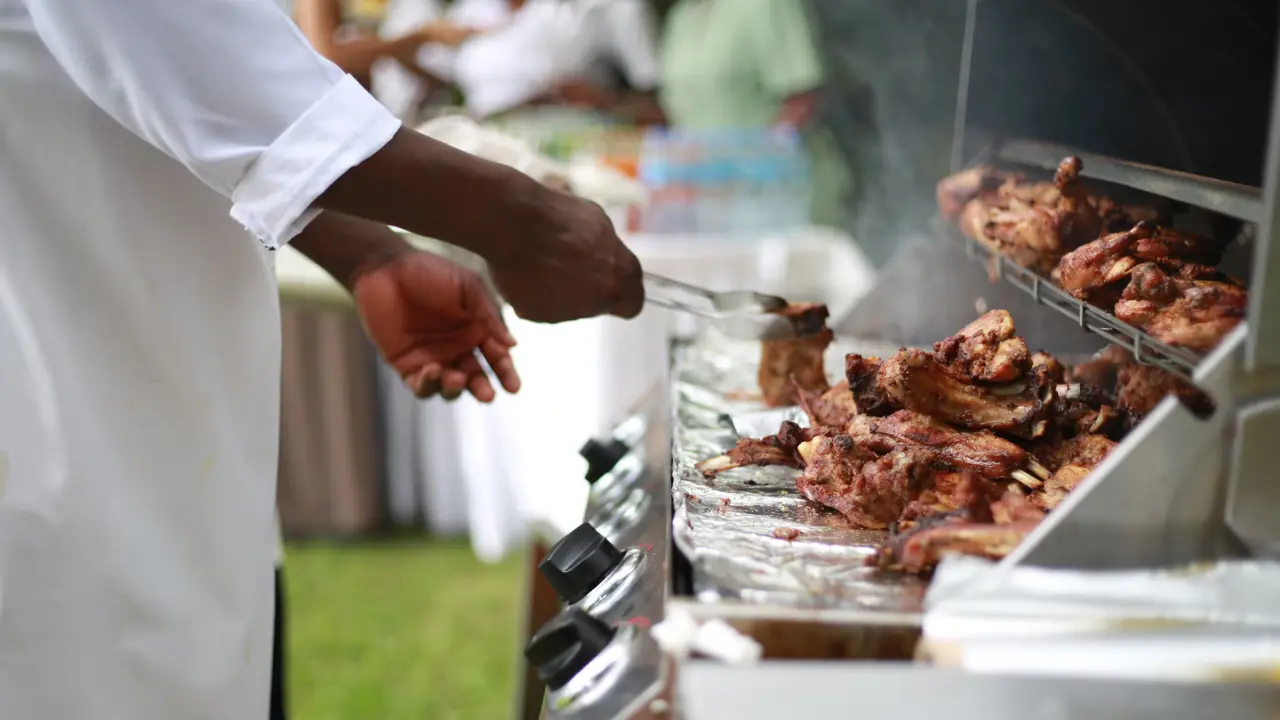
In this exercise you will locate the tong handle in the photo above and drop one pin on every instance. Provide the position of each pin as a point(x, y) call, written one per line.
point(678, 306)
point(664, 281)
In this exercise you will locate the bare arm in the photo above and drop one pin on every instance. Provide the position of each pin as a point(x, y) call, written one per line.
point(347, 247)
point(433, 190)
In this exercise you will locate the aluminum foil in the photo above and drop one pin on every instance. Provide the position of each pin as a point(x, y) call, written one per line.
point(749, 535)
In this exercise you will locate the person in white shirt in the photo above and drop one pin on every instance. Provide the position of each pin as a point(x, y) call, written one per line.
point(551, 51)
point(407, 88)
point(153, 155)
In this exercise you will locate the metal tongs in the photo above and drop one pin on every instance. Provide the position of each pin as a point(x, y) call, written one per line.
point(736, 313)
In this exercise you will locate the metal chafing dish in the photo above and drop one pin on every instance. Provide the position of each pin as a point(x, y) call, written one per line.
point(1180, 489)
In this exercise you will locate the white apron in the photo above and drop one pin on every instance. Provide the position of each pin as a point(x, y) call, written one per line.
point(137, 509)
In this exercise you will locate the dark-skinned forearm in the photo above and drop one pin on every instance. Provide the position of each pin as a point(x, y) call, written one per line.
point(436, 191)
point(346, 247)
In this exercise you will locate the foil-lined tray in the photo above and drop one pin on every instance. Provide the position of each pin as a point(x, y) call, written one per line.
point(748, 534)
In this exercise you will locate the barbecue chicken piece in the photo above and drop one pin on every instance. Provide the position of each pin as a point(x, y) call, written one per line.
point(1102, 370)
point(862, 374)
point(780, 449)
point(1074, 416)
point(833, 408)
point(980, 452)
point(1141, 387)
point(1008, 521)
point(795, 362)
point(1093, 271)
point(1033, 226)
point(873, 490)
point(986, 350)
point(1054, 370)
point(1194, 314)
point(1071, 460)
point(980, 183)
point(916, 380)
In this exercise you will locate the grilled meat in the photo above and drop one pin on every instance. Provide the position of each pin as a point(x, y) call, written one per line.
point(986, 350)
point(993, 535)
point(1101, 371)
point(916, 380)
point(1194, 314)
point(957, 191)
point(1071, 461)
point(796, 362)
point(873, 489)
point(833, 408)
point(1142, 387)
point(862, 374)
point(1054, 370)
point(1084, 450)
point(869, 489)
point(780, 449)
point(1032, 224)
point(1094, 271)
point(981, 452)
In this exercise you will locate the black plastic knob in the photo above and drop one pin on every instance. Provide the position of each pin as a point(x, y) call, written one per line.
point(566, 645)
point(578, 562)
point(601, 456)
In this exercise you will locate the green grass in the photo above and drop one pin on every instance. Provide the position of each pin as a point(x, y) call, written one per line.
point(400, 630)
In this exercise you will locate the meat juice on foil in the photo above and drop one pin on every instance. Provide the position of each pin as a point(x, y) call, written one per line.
point(748, 533)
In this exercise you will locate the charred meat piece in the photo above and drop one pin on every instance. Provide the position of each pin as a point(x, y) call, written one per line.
point(957, 191)
point(1054, 370)
point(875, 490)
point(1084, 450)
point(1093, 271)
point(780, 449)
point(862, 374)
point(1093, 268)
point(1101, 371)
point(980, 452)
point(965, 492)
point(1142, 387)
point(1072, 460)
point(915, 380)
point(1036, 228)
point(1059, 486)
point(986, 350)
point(1194, 314)
point(1007, 522)
point(1072, 417)
point(795, 362)
point(920, 550)
point(871, 490)
point(833, 408)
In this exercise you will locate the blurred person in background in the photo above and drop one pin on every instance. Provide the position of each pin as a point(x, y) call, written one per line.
point(356, 51)
point(594, 59)
point(411, 90)
point(743, 64)
point(146, 146)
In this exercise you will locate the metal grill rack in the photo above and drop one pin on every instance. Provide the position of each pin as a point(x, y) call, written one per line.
point(1231, 199)
point(1145, 348)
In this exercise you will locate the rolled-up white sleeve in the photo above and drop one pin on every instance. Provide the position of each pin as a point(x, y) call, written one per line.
point(230, 89)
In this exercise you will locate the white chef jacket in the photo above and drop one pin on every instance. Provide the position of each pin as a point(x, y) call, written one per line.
point(136, 576)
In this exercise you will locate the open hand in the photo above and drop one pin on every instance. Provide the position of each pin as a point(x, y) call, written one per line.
point(433, 321)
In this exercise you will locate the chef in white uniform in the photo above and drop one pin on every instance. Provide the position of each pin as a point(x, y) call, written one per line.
point(151, 156)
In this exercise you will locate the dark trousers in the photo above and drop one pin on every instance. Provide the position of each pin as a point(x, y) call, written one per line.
point(278, 653)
